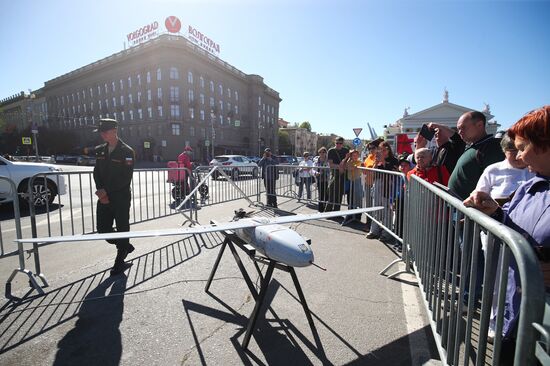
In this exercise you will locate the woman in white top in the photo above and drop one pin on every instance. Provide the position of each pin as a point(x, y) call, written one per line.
point(500, 180)
point(305, 173)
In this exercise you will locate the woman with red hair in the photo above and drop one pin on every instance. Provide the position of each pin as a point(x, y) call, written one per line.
point(529, 210)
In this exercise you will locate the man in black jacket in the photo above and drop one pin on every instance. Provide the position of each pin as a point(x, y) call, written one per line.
point(450, 146)
point(113, 175)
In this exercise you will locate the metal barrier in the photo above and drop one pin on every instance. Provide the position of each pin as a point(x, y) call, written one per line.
point(445, 239)
point(10, 195)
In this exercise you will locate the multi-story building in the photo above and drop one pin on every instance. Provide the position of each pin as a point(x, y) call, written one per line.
point(167, 93)
point(302, 140)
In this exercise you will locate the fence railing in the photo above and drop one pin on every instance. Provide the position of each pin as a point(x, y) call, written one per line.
point(463, 260)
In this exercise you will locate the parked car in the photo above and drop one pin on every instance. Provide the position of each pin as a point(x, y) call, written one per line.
point(67, 159)
point(235, 166)
point(254, 159)
point(86, 160)
point(287, 160)
point(43, 190)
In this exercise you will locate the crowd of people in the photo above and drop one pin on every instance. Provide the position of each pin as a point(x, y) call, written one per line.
point(507, 177)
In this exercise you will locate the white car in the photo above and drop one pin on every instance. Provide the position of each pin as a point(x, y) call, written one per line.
point(235, 166)
point(44, 190)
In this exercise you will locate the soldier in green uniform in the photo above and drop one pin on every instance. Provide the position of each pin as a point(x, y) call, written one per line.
point(112, 175)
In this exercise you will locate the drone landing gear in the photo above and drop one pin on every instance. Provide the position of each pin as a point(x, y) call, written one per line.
point(232, 240)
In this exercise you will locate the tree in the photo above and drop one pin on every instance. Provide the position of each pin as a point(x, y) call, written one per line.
point(284, 142)
point(306, 125)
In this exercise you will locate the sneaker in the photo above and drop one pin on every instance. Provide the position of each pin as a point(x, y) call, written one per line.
point(372, 236)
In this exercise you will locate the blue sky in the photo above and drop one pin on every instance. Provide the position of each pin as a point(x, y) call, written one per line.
point(337, 64)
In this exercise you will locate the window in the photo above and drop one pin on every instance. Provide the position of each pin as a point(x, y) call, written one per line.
point(259, 100)
point(150, 112)
point(201, 98)
point(228, 105)
point(114, 102)
point(84, 105)
point(201, 113)
point(113, 86)
point(159, 74)
point(129, 81)
point(98, 90)
point(201, 82)
point(130, 100)
point(114, 115)
point(105, 87)
point(91, 106)
point(72, 96)
point(174, 93)
point(192, 131)
point(220, 88)
point(122, 116)
point(106, 103)
point(159, 93)
point(121, 83)
point(140, 113)
point(175, 129)
point(174, 73)
point(229, 121)
point(91, 93)
point(78, 95)
point(221, 119)
point(99, 104)
point(148, 77)
point(203, 132)
point(211, 86)
point(191, 113)
point(212, 103)
point(174, 110)
point(229, 93)
point(159, 110)
point(236, 109)
point(139, 97)
point(190, 77)
point(131, 113)
point(139, 79)
point(122, 100)
point(191, 95)
point(221, 106)
point(149, 94)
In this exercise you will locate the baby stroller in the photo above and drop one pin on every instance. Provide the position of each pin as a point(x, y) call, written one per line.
point(182, 184)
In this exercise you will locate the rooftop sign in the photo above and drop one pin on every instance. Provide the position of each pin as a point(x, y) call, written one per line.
point(173, 25)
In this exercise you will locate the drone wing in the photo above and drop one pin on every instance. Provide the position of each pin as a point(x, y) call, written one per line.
point(201, 229)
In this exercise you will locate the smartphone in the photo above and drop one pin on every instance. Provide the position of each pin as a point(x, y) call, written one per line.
point(426, 132)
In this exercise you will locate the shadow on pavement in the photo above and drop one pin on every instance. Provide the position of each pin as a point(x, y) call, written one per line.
point(33, 316)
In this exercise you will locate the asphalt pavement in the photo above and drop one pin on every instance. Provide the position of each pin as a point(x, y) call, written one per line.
point(159, 314)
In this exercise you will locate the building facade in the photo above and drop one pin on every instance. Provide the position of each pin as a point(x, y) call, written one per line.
point(167, 93)
point(444, 113)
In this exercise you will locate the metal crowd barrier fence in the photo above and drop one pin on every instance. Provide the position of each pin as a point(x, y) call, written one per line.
point(462, 259)
point(156, 193)
point(9, 194)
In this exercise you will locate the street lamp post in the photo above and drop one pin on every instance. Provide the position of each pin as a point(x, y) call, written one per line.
point(213, 132)
point(34, 128)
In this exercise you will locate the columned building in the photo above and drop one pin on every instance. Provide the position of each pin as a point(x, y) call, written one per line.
point(444, 113)
point(167, 93)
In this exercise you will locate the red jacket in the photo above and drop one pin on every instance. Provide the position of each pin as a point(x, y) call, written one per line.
point(437, 174)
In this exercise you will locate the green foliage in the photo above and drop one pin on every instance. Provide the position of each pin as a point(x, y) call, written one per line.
point(306, 125)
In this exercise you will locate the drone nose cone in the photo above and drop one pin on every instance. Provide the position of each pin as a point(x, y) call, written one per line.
point(287, 246)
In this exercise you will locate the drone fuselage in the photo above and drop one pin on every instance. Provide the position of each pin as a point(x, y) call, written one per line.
point(279, 243)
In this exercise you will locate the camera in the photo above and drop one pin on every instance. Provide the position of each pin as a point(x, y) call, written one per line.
point(426, 132)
